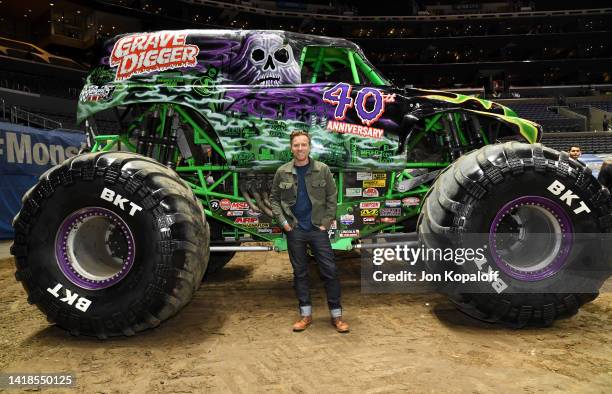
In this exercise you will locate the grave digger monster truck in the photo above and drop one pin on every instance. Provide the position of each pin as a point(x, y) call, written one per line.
point(116, 240)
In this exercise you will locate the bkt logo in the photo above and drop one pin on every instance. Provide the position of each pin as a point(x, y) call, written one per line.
point(70, 298)
point(568, 197)
point(117, 200)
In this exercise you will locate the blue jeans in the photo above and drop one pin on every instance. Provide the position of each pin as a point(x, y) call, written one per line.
point(297, 240)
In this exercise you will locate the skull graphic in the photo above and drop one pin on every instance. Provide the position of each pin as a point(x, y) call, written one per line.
point(265, 60)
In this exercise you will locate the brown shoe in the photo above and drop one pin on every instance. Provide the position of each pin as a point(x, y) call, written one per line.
point(302, 324)
point(340, 325)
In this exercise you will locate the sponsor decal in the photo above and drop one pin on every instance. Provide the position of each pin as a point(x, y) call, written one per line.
point(382, 154)
point(388, 220)
point(348, 233)
point(70, 298)
point(239, 206)
point(568, 197)
point(225, 204)
point(369, 205)
point(353, 192)
point(370, 192)
point(374, 183)
point(379, 175)
point(97, 93)
point(347, 220)
point(254, 225)
point(364, 176)
point(204, 86)
point(234, 213)
point(143, 53)
point(257, 225)
point(411, 201)
point(368, 220)
point(369, 212)
point(393, 203)
point(263, 229)
point(243, 159)
point(172, 82)
point(354, 129)
point(117, 200)
point(391, 212)
point(369, 103)
point(214, 205)
point(251, 212)
point(246, 220)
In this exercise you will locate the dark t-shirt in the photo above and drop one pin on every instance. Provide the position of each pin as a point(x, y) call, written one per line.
point(303, 207)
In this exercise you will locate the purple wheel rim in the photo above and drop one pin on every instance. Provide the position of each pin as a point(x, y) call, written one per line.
point(566, 236)
point(72, 236)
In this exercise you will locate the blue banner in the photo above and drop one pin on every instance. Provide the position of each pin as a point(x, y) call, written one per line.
point(594, 161)
point(25, 153)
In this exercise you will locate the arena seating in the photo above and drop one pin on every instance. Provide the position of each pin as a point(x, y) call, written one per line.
point(545, 114)
point(19, 115)
point(591, 142)
point(603, 105)
point(29, 83)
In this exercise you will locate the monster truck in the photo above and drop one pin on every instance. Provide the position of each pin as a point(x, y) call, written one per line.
point(186, 129)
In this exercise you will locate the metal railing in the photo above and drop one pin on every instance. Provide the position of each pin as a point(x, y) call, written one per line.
point(19, 115)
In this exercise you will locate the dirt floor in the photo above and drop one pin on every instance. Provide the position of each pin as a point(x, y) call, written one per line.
point(235, 337)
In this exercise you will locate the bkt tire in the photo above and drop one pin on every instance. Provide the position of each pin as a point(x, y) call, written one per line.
point(541, 220)
point(110, 244)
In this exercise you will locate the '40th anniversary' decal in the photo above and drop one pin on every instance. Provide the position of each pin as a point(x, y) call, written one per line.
point(340, 96)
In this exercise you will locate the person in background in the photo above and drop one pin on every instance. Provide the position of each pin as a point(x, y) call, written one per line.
point(606, 123)
point(605, 174)
point(575, 152)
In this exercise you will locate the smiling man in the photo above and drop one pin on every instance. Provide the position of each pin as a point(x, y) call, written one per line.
point(304, 203)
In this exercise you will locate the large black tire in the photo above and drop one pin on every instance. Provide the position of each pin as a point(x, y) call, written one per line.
point(506, 192)
point(110, 244)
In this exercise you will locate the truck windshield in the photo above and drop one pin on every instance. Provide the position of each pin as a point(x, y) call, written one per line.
point(330, 64)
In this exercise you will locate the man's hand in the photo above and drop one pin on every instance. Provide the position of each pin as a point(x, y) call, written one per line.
point(287, 227)
point(322, 228)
